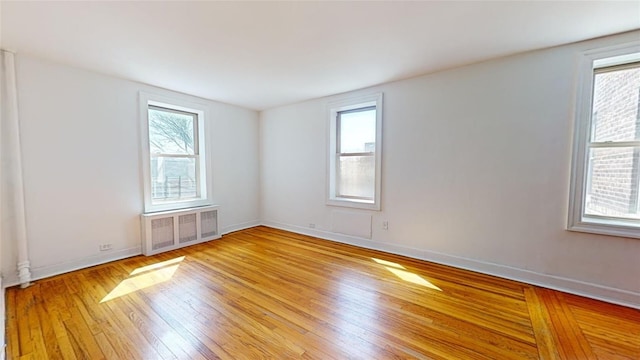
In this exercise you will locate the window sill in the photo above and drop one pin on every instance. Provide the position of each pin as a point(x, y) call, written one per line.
point(354, 203)
point(607, 227)
point(176, 205)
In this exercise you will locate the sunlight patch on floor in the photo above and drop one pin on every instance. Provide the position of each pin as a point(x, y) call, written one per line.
point(159, 265)
point(412, 278)
point(399, 271)
point(144, 277)
point(388, 263)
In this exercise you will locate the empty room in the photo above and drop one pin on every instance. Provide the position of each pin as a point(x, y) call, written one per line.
point(320, 180)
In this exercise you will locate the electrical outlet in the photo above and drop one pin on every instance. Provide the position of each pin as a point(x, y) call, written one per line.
point(385, 225)
point(105, 247)
point(312, 225)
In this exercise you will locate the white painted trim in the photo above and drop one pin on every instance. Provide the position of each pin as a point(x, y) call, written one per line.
point(334, 107)
point(572, 286)
point(12, 163)
point(204, 171)
point(68, 266)
point(241, 226)
point(582, 131)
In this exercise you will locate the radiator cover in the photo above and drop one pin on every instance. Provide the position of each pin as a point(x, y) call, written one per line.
point(168, 230)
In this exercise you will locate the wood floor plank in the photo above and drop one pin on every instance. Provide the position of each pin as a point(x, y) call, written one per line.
point(363, 333)
point(453, 308)
point(177, 344)
point(233, 315)
point(13, 344)
point(44, 325)
point(81, 337)
point(267, 293)
point(166, 302)
point(101, 319)
point(127, 322)
point(197, 336)
point(106, 347)
point(609, 329)
point(50, 317)
point(569, 338)
point(24, 304)
point(541, 322)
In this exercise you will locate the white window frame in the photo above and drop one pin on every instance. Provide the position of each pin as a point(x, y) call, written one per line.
point(335, 107)
point(578, 221)
point(203, 168)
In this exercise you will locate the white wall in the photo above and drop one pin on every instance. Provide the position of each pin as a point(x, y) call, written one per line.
point(83, 183)
point(476, 167)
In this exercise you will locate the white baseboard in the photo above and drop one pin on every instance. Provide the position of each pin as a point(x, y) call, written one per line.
point(572, 286)
point(241, 226)
point(64, 267)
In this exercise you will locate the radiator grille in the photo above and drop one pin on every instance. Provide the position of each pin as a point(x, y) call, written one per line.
point(161, 232)
point(187, 229)
point(209, 223)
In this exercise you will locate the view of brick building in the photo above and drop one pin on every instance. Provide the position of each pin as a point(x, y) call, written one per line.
point(614, 171)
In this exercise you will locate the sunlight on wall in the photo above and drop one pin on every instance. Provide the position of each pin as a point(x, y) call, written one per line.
point(144, 277)
point(398, 270)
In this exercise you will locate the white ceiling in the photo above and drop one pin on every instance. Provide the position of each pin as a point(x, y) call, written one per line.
point(265, 54)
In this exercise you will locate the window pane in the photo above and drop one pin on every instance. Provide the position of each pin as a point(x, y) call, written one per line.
point(356, 176)
point(613, 182)
point(358, 131)
point(171, 132)
point(173, 178)
point(615, 105)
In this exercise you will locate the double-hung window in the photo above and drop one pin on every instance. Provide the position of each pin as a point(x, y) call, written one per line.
point(173, 154)
point(354, 153)
point(605, 196)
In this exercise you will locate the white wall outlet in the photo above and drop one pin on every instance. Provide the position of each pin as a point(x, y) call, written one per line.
point(105, 247)
point(385, 225)
point(312, 225)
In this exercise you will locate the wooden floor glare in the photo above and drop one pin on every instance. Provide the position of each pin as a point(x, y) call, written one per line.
point(263, 293)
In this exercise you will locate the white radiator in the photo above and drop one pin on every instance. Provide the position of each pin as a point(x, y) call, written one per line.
point(168, 230)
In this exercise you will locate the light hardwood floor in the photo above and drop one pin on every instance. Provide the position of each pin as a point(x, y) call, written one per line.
point(266, 293)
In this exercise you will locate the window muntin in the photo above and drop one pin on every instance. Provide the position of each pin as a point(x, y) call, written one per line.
point(173, 154)
point(354, 153)
point(605, 190)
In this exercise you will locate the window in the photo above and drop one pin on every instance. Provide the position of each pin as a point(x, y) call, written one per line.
point(605, 196)
point(175, 168)
point(354, 153)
